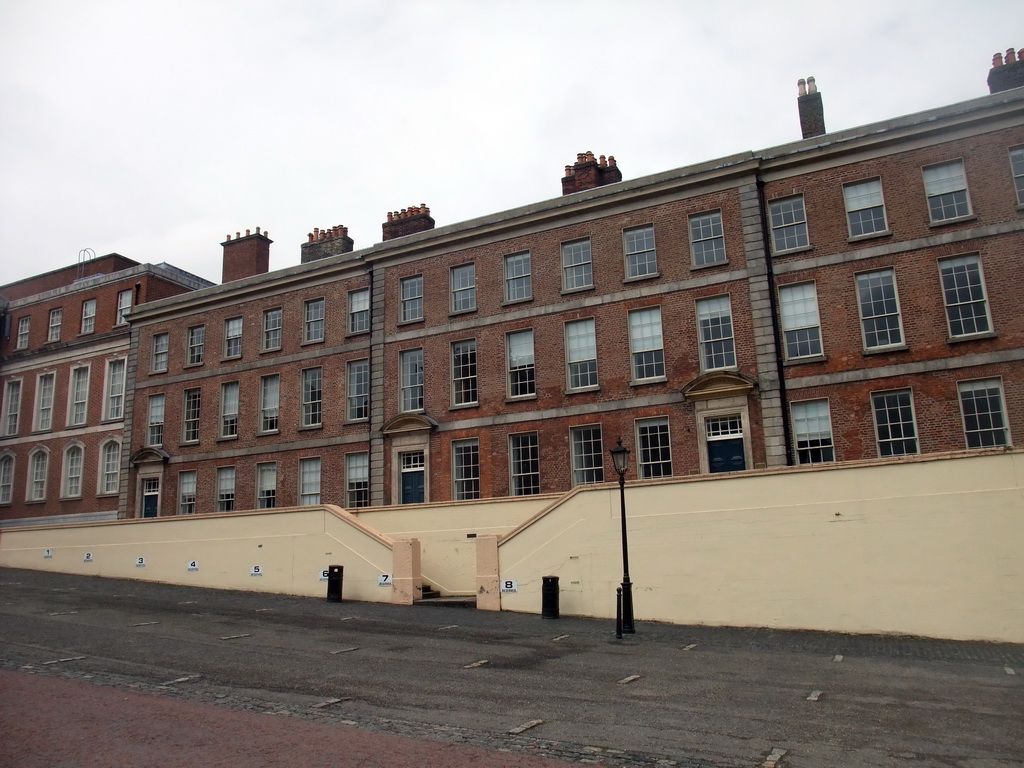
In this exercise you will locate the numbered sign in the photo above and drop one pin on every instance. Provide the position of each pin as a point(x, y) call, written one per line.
point(323, 574)
point(87, 557)
point(47, 553)
point(509, 586)
point(256, 570)
point(193, 565)
point(140, 562)
point(384, 580)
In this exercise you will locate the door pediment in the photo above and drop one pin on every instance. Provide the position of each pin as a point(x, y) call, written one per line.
point(150, 456)
point(408, 422)
point(718, 384)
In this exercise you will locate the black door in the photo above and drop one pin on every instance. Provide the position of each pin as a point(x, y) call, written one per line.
point(726, 455)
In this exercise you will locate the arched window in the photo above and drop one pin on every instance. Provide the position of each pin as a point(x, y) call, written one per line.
point(38, 468)
point(110, 467)
point(6, 478)
point(72, 475)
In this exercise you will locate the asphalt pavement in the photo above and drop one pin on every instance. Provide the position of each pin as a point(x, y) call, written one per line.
point(512, 687)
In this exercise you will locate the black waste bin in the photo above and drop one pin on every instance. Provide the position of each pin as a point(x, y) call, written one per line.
point(549, 598)
point(335, 577)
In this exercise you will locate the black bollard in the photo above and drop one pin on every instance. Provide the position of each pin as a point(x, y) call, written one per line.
point(618, 613)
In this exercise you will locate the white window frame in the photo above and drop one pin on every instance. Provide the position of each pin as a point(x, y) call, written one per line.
point(646, 345)
point(518, 270)
point(124, 305)
point(1002, 428)
point(314, 313)
point(410, 366)
point(528, 482)
point(357, 390)
point(270, 403)
point(465, 383)
point(887, 276)
point(581, 365)
point(53, 329)
point(813, 439)
point(109, 468)
point(226, 478)
point(191, 415)
point(72, 470)
point(156, 411)
point(1016, 155)
point(38, 475)
point(46, 390)
point(640, 252)
point(78, 395)
point(654, 447)
point(801, 323)
point(466, 469)
point(942, 183)
point(7, 470)
point(266, 485)
point(161, 351)
point(359, 311)
point(230, 392)
point(357, 480)
point(411, 298)
point(273, 329)
point(967, 275)
point(310, 470)
point(462, 279)
point(88, 317)
point(577, 265)
point(521, 364)
point(188, 486)
point(788, 224)
point(196, 345)
point(880, 442)
point(24, 329)
point(233, 328)
point(312, 382)
point(707, 239)
point(586, 444)
point(113, 389)
point(862, 200)
point(13, 390)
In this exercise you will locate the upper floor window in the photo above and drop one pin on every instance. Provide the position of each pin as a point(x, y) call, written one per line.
point(895, 425)
point(411, 365)
point(466, 469)
point(1017, 169)
point(229, 409)
point(270, 402)
point(78, 396)
point(641, 257)
point(981, 403)
point(73, 456)
point(161, 344)
point(313, 325)
point(24, 323)
point(801, 327)
point(56, 318)
point(312, 397)
point(309, 481)
point(587, 455)
point(38, 471)
point(522, 375)
point(233, 337)
point(266, 485)
point(717, 345)
point(412, 298)
point(463, 286)
point(581, 354)
point(946, 189)
point(963, 292)
point(646, 345)
point(879, 309)
point(577, 267)
point(6, 479)
point(157, 408)
point(865, 209)
point(196, 345)
point(358, 390)
point(655, 448)
point(812, 431)
point(707, 240)
point(110, 467)
point(44, 401)
point(225, 489)
point(124, 305)
point(12, 407)
point(273, 322)
point(789, 224)
point(359, 311)
point(190, 415)
point(518, 277)
point(464, 372)
point(187, 482)
point(114, 400)
point(88, 315)
point(524, 463)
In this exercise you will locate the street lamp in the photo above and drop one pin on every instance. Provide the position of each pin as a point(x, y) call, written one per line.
point(620, 458)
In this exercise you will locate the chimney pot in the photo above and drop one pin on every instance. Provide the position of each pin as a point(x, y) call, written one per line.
point(997, 59)
point(237, 235)
point(811, 87)
point(1011, 56)
point(801, 87)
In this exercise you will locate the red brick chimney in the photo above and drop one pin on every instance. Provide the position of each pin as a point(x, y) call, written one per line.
point(812, 113)
point(590, 172)
point(1007, 71)
point(246, 255)
point(323, 243)
point(408, 221)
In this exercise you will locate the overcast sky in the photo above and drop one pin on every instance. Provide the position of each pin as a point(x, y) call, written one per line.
point(153, 129)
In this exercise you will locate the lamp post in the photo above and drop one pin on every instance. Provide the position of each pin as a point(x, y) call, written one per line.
point(620, 458)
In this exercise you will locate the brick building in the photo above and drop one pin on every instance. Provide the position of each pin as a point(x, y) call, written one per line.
point(847, 296)
point(63, 368)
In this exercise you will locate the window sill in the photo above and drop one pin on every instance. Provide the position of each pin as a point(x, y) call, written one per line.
point(161, 370)
point(413, 321)
point(192, 365)
point(356, 421)
point(228, 358)
point(414, 410)
point(510, 302)
point(29, 502)
point(709, 265)
point(652, 380)
point(268, 350)
point(972, 337)
point(957, 220)
point(40, 432)
point(582, 390)
point(805, 360)
point(582, 289)
point(463, 406)
point(311, 342)
point(883, 350)
point(187, 443)
point(789, 251)
point(311, 427)
point(458, 312)
point(226, 438)
point(109, 420)
point(869, 236)
point(69, 498)
point(351, 334)
point(106, 495)
point(641, 278)
point(726, 369)
point(520, 398)
point(1020, 206)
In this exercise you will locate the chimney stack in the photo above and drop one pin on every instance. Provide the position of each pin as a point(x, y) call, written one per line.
point(590, 172)
point(1007, 71)
point(246, 255)
point(812, 112)
point(323, 243)
point(408, 221)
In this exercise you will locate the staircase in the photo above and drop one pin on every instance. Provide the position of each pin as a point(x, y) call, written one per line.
point(434, 598)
